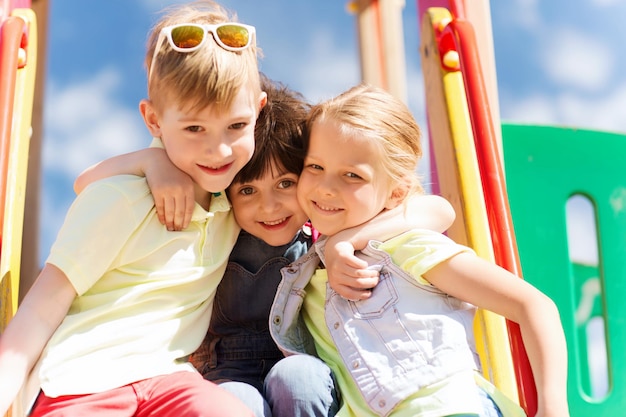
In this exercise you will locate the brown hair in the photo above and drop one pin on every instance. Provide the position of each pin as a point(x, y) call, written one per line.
point(278, 133)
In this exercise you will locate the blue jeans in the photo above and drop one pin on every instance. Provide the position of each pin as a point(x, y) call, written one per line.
point(301, 386)
point(296, 386)
point(250, 396)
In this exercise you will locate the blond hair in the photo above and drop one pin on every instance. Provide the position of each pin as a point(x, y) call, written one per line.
point(207, 76)
point(372, 113)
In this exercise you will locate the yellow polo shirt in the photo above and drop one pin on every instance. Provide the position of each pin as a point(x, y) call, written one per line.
point(144, 293)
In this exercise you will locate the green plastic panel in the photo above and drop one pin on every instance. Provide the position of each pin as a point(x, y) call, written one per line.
point(545, 167)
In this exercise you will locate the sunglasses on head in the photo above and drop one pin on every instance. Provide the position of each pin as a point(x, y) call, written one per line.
point(187, 37)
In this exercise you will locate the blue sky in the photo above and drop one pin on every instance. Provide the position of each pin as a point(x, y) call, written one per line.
point(558, 63)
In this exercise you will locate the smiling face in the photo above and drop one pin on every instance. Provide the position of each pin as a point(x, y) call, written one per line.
point(268, 207)
point(343, 183)
point(211, 146)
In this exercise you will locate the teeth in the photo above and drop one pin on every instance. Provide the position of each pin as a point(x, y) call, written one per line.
point(327, 208)
point(214, 168)
point(275, 222)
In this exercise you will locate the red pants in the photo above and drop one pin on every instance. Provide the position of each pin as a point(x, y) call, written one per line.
point(182, 394)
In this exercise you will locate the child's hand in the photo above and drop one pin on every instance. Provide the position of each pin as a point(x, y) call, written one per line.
point(347, 274)
point(172, 189)
point(173, 192)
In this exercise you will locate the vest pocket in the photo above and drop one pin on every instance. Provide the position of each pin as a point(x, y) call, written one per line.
point(384, 296)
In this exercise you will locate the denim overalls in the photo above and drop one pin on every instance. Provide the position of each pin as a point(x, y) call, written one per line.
point(238, 345)
point(405, 337)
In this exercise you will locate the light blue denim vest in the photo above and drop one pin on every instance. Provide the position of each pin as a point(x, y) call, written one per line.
point(405, 337)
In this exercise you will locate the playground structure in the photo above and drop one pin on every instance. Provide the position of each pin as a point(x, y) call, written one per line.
point(510, 185)
point(18, 52)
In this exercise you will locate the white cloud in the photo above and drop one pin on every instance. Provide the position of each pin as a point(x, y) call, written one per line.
point(603, 113)
point(600, 112)
point(328, 69)
point(85, 123)
point(606, 112)
point(539, 109)
point(523, 13)
point(572, 58)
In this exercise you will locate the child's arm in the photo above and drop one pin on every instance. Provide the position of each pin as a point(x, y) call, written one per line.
point(486, 285)
point(347, 274)
point(38, 316)
point(171, 188)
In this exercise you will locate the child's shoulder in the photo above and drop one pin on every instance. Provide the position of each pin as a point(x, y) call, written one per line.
point(420, 236)
point(126, 184)
point(130, 190)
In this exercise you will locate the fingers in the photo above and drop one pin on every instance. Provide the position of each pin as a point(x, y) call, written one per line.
point(190, 203)
point(159, 204)
point(355, 288)
point(360, 283)
point(174, 196)
point(354, 294)
point(174, 213)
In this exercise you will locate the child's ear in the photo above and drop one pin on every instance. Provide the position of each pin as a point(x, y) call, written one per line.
point(397, 196)
point(150, 117)
point(262, 100)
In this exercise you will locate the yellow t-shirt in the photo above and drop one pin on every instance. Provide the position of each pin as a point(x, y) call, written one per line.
point(144, 293)
point(416, 252)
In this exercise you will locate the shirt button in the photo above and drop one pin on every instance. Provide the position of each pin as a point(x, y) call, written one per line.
point(277, 320)
point(336, 325)
point(382, 403)
point(355, 364)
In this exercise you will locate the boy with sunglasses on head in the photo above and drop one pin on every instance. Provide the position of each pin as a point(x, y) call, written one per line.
point(121, 302)
point(238, 350)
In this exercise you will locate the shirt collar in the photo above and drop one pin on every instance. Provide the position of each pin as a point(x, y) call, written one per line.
point(219, 203)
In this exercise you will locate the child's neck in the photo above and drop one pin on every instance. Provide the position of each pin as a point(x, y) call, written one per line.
point(203, 198)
